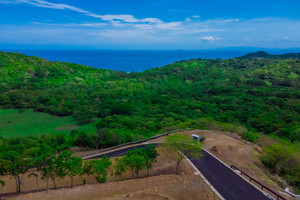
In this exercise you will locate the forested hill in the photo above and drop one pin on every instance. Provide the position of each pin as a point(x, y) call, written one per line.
point(261, 95)
point(262, 54)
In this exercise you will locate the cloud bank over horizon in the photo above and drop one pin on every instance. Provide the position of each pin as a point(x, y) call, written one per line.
point(55, 24)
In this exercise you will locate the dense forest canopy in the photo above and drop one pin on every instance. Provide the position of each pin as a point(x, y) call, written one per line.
point(258, 91)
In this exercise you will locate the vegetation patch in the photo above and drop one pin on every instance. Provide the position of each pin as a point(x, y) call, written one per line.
point(14, 123)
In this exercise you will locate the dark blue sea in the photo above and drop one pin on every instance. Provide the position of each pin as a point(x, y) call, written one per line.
point(133, 60)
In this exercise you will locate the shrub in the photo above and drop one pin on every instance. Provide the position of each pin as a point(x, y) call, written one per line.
point(250, 136)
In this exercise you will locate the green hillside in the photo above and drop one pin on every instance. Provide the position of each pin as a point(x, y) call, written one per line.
point(252, 95)
point(262, 54)
point(259, 94)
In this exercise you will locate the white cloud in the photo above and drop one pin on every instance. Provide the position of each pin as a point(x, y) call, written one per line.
point(196, 16)
point(192, 32)
point(45, 4)
point(169, 25)
point(72, 24)
point(152, 20)
point(169, 35)
point(188, 19)
point(125, 18)
point(93, 24)
point(59, 6)
point(221, 21)
point(210, 38)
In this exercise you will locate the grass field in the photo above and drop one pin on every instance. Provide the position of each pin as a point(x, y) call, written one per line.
point(29, 123)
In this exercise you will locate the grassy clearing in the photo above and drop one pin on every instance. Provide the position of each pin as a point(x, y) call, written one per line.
point(29, 123)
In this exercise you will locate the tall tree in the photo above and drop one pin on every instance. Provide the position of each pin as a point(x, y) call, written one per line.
point(179, 146)
point(150, 156)
point(70, 165)
point(45, 163)
point(100, 138)
point(120, 166)
point(97, 168)
point(135, 163)
point(18, 166)
point(100, 169)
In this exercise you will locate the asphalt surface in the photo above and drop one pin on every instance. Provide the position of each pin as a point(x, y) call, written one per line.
point(230, 185)
point(120, 152)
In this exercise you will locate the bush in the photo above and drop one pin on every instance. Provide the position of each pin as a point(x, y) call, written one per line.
point(250, 136)
point(83, 140)
point(283, 159)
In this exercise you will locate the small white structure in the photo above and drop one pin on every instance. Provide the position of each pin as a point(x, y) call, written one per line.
point(196, 137)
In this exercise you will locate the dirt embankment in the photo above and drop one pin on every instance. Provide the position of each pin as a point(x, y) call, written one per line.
point(156, 187)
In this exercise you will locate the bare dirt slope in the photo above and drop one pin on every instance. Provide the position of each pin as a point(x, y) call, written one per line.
point(156, 187)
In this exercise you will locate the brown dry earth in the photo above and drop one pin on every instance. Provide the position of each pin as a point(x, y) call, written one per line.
point(156, 187)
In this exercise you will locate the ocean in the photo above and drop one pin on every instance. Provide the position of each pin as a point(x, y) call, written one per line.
point(133, 60)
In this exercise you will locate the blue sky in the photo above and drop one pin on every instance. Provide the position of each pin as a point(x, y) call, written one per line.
point(152, 24)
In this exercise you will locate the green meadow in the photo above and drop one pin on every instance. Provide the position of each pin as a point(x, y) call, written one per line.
point(14, 123)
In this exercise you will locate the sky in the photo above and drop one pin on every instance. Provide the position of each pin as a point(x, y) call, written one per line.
point(151, 24)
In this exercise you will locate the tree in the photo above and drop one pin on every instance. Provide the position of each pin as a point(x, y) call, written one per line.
point(68, 165)
point(83, 140)
point(135, 163)
point(150, 156)
point(120, 166)
point(5, 165)
point(87, 169)
point(18, 166)
point(30, 155)
point(100, 169)
point(45, 163)
point(85, 114)
point(283, 159)
point(277, 156)
point(294, 135)
point(179, 146)
point(97, 168)
point(36, 179)
point(61, 164)
point(100, 138)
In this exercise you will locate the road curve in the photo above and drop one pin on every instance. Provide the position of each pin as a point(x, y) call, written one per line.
point(230, 185)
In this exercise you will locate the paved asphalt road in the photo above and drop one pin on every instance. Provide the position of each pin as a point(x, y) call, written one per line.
point(230, 185)
point(120, 152)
